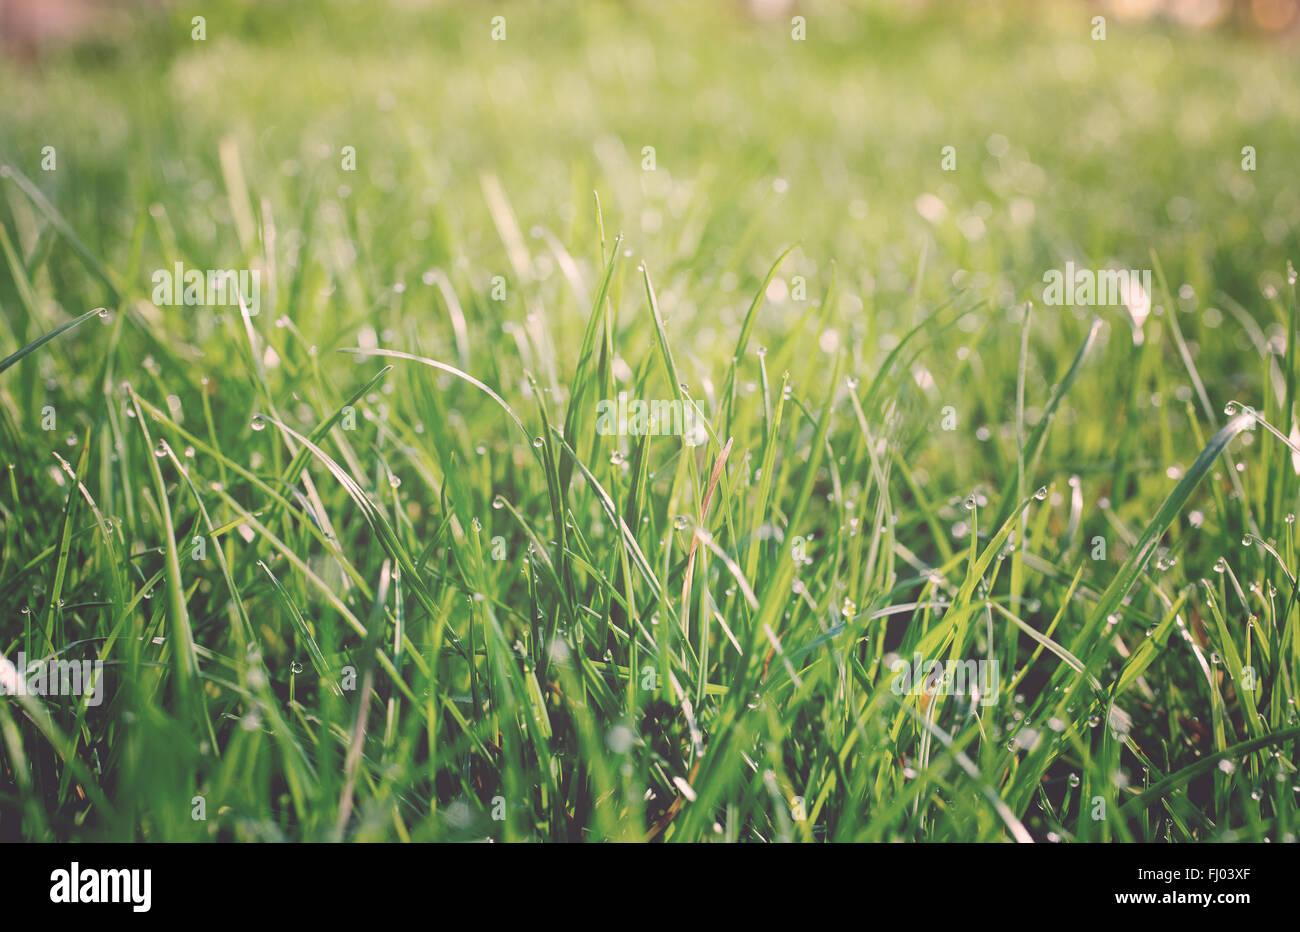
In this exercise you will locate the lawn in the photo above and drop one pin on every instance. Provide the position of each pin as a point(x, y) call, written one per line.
point(631, 407)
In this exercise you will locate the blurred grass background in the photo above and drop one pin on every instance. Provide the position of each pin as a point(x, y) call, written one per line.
point(1065, 146)
point(1067, 149)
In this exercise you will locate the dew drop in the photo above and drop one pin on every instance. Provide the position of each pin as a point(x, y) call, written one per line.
point(258, 422)
point(1041, 494)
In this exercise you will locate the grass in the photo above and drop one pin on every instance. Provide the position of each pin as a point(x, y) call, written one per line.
point(361, 567)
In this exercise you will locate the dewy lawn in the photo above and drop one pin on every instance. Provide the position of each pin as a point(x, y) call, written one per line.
point(367, 541)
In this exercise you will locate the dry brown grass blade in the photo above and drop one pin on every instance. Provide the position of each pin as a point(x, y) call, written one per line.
point(718, 465)
point(676, 805)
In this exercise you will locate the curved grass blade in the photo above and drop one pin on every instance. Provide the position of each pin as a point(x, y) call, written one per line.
point(41, 341)
point(1146, 546)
